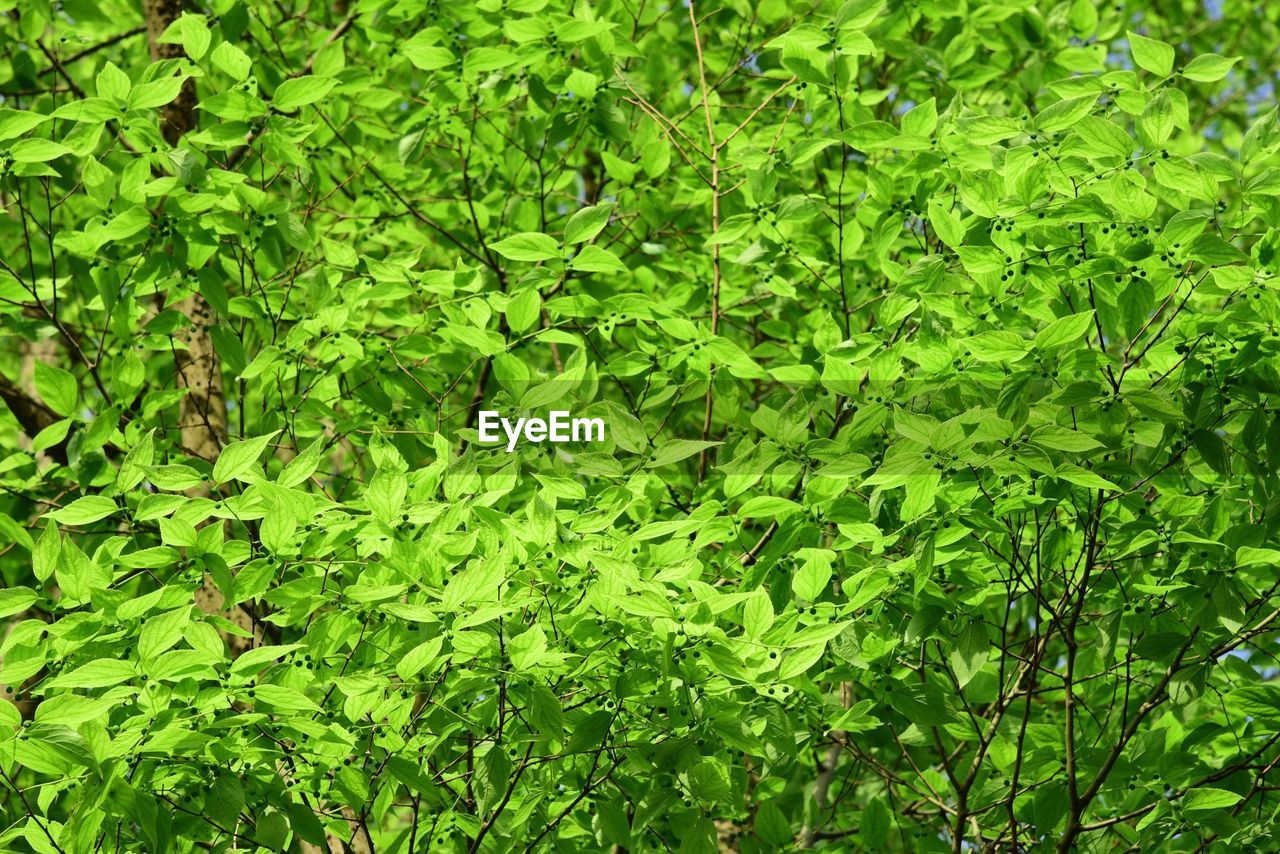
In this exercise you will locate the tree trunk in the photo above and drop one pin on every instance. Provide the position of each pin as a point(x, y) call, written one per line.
point(25, 404)
point(203, 416)
point(202, 419)
point(179, 116)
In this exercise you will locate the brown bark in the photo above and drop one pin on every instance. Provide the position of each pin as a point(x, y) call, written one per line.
point(203, 416)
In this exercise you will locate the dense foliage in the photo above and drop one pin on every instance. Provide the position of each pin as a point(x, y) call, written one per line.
point(937, 344)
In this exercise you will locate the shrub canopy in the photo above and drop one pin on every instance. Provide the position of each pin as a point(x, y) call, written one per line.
point(936, 344)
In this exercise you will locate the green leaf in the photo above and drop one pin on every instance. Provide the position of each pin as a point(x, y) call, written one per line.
point(946, 223)
point(300, 91)
point(15, 533)
point(162, 632)
point(923, 705)
point(1151, 55)
point(14, 123)
point(112, 83)
point(587, 223)
point(1207, 798)
point(583, 84)
point(82, 511)
point(231, 60)
point(196, 37)
point(239, 460)
point(157, 93)
point(386, 493)
point(528, 246)
point(96, 674)
point(134, 467)
point(272, 830)
point(483, 59)
point(225, 799)
point(593, 259)
point(772, 826)
point(1064, 114)
point(51, 435)
point(523, 310)
point(800, 661)
point(479, 582)
point(37, 150)
point(44, 559)
point(767, 506)
point(305, 464)
point(546, 712)
point(866, 586)
point(805, 150)
point(1084, 477)
point(15, 599)
point(284, 699)
point(876, 824)
point(428, 57)
point(1209, 67)
point(527, 649)
point(419, 658)
point(970, 653)
point(1156, 123)
point(57, 388)
point(1249, 556)
point(674, 450)
point(757, 614)
point(1105, 138)
point(811, 579)
point(987, 130)
point(1064, 330)
point(922, 119)
point(1064, 439)
point(253, 660)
